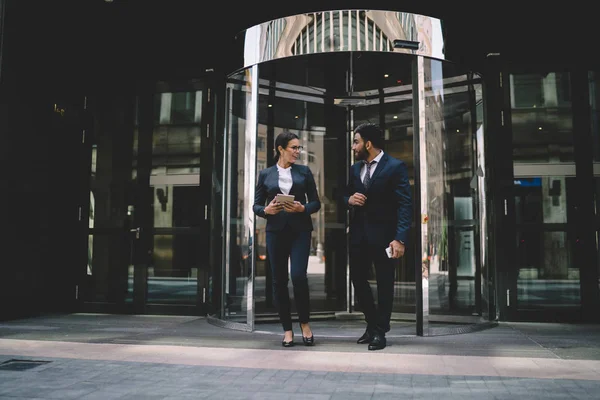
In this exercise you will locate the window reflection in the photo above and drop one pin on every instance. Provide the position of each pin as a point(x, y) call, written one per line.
point(176, 138)
point(597, 220)
point(177, 206)
point(450, 189)
point(108, 250)
point(173, 271)
point(594, 87)
point(547, 273)
point(297, 95)
point(238, 245)
point(541, 117)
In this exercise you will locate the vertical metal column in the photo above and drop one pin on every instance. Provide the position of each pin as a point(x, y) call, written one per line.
point(249, 184)
point(420, 200)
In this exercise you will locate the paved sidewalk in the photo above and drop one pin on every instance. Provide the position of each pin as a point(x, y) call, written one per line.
point(90, 356)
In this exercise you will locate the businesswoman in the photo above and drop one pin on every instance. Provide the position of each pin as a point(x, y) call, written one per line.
point(288, 231)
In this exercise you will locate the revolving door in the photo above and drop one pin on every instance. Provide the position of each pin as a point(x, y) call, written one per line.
point(431, 113)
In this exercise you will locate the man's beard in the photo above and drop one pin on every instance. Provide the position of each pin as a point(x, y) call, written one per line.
point(362, 155)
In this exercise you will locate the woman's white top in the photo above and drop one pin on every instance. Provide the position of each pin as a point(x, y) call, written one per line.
point(285, 179)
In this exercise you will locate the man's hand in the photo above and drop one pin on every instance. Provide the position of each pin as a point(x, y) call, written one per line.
point(357, 199)
point(293, 207)
point(397, 249)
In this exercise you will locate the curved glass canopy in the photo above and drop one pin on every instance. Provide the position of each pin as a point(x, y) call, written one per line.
point(432, 114)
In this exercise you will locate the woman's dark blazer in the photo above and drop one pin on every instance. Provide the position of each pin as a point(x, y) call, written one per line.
point(303, 189)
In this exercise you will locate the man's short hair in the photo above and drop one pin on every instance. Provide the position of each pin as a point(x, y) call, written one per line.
point(369, 131)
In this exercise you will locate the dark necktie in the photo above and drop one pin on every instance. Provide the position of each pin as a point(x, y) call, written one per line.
point(367, 179)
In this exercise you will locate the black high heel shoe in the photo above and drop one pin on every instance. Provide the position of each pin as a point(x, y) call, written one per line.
point(308, 341)
point(288, 344)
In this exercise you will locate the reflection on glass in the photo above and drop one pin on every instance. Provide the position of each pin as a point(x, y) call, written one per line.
point(175, 258)
point(547, 277)
point(450, 189)
point(294, 101)
point(173, 269)
point(177, 206)
point(176, 137)
point(91, 237)
point(383, 86)
point(110, 179)
point(547, 273)
point(342, 31)
point(541, 117)
point(597, 220)
point(486, 274)
point(238, 244)
point(594, 87)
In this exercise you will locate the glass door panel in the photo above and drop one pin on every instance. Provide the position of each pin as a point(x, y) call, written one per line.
point(179, 220)
point(382, 93)
point(300, 96)
point(451, 186)
point(108, 270)
point(547, 274)
point(176, 245)
point(173, 272)
point(240, 152)
point(148, 213)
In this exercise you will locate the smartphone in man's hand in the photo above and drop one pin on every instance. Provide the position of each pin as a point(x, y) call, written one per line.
point(388, 251)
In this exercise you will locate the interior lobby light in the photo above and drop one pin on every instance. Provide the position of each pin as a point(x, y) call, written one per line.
point(385, 75)
point(395, 117)
point(540, 128)
point(270, 105)
point(296, 117)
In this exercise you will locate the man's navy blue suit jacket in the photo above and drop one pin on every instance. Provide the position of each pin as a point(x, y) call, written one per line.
point(387, 213)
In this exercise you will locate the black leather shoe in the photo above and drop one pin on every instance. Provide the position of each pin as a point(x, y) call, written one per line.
point(288, 344)
point(379, 342)
point(366, 337)
point(308, 341)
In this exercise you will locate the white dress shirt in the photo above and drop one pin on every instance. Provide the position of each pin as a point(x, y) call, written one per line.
point(285, 179)
point(363, 169)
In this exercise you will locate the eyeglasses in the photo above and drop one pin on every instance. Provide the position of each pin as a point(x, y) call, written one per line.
point(296, 148)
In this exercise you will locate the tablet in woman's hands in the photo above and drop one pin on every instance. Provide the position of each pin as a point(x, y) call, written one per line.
point(284, 198)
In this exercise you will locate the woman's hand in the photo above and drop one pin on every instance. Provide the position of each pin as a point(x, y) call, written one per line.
point(293, 207)
point(273, 208)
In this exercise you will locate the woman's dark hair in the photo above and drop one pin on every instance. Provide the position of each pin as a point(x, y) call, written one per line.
point(369, 131)
point(282, 140)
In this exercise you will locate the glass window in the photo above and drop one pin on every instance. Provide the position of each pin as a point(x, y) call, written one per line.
point(175, 261)
point(183, 108)
point(177, 206)
point(594, 87)
point(450, 188)
point(541, 117)
point(239, 223)
point(548, 276)
point(176, 138)
point(597, 224)
point(528, 91)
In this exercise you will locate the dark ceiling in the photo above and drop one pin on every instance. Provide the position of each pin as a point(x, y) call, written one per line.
point(95, 39)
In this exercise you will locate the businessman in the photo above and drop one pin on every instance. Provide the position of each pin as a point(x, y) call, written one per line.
point(379, 196)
